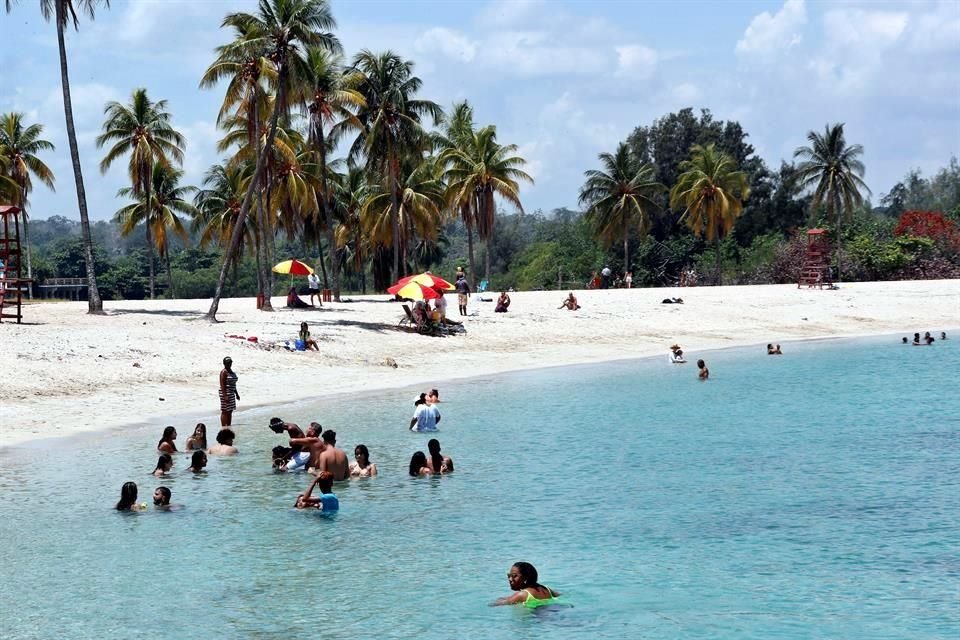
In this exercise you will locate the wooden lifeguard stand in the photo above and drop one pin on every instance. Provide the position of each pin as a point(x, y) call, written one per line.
point(816, 265)
point(11, 284)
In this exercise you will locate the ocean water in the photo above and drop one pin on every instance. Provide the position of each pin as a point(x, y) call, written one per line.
point(812, 495)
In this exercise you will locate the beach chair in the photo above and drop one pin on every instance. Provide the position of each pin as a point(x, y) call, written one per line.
point(408, 318)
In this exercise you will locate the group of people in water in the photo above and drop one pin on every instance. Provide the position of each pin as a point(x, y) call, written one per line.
point(926, 340)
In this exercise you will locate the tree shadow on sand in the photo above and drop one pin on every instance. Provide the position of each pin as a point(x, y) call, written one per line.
point(156, 312)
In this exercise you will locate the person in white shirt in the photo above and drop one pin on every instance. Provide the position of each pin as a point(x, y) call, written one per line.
point(425, 418)
point(314, 283)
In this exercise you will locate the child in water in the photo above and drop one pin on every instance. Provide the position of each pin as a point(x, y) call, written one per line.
point(327, 500)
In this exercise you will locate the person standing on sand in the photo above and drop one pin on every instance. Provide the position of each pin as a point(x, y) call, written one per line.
point(463, 293)
point(228, 393)
point(313, 282)
point(704, 372)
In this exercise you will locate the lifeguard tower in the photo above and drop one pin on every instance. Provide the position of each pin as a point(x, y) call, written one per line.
point(816, 264)
point(11, 284)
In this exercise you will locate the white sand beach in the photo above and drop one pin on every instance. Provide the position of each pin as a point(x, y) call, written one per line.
point(66, 372)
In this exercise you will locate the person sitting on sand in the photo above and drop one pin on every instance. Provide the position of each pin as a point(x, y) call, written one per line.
point(167, 444)
point(503, 303)
point(928, 338)
point(128, 498)
point(530, 593)
point(199, 438)
point(164, 464)
point(161, 498)
point(570, 303)
point(296, 302)
point(419, 466)
point(327, 501)
point(224, 446)
point(197, 462)
point(308, 342)
point(704, 372)
point(362, 467)
point(672, 301)
point(438, 463)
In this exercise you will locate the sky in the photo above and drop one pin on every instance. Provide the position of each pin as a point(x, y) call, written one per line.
point(563, 80)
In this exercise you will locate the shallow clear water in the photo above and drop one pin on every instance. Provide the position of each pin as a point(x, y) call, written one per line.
point(814, 495)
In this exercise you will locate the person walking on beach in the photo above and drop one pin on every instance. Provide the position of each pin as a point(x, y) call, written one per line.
point(463, 293)
point(228, 393)
point(313, 282)
point(704, 373)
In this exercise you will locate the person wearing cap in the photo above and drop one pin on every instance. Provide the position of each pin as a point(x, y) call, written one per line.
point(228, 393)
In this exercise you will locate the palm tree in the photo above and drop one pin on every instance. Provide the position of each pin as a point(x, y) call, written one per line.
point(65, 11)
point(329, 99)
point(711, 192)
point(168, 199)
point(458, 134)
point(142, 129)
point(391, 121)
point(479, 169)
point(620, 197)
point(20, 145)
point(836, 171)
point(217, 206)
point(350, 192)
point(276, 32)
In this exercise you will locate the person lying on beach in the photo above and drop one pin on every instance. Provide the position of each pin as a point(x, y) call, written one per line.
point(296, 302)
point(198, 440)
point(570, 303)
point(362, 467)
point(438, 463)
point(161, 498)
point(327, 501)
point(224, 446)
point(419, 466)
point(128, 498)
point(197, 462)
point(522, 578)
point(308, 342)
point(672, 301)
point(167, 444)
point(704, 372)
point(164, 464)
point(503, 303)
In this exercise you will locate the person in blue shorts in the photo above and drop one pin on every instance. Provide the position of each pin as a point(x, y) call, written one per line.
point(327, 501)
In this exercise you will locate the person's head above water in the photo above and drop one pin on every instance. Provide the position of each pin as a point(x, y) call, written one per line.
point(198, 461)
point(128, 496)
point(330, 437)
point(421, 400)
point(433, 446)
point(701, 364)
point(161, 496)
point(164, 463)
point(169, 435)
point(226, 437)
point(905, 341)
point(522, 575)
point(361, 451)
point(943, 335)
point(417, 461)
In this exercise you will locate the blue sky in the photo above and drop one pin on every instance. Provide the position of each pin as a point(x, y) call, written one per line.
point(563, 80)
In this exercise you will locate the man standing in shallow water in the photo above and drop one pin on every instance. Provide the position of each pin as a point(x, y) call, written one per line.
point(427, 416)
point(332, 459)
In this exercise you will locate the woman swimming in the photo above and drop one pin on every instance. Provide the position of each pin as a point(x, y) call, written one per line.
point(362, 467)
point(199, 438)
point(164, 464)
point(128, 498)
point(167, 444)
point(197, 462)
point(530, 593)
point(704, 372)
point(418, 465)
point(437, 462)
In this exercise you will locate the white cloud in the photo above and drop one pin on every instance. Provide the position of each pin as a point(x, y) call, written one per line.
point(636, 61)
point(508, 13)
point(767, 34)
point(857, 28)
point(448, 42)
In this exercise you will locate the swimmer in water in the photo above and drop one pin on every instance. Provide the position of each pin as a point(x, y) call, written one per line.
point(327, 500)
point(418, 465)
point(530, 593)
point(128, 498)
point(164, 464)
point(197, 462)
point(161, 499)
point(198, 440)
point(167, 444)
point(704, 372)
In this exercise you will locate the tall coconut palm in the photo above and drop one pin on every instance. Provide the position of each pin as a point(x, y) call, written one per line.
point(836, 173)
point(329, 102)
point(350, 193)
point(278, 30)
point(482, 168)
point(457, 134)
point(711, 191)
point(392, 126)
point(217, 205)
point(620, 197)
point(141, 129)
point(63, 12)
point(168, 200)
point(20, 146)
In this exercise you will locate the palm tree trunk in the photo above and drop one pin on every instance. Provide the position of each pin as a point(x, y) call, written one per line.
point(626, 250)
point(170, 289)
point(323, 267)
point(719, 268)
point(839, 244)
point(26, 240)
point(264, 274)
point(234, 245)
point(94, 303)
point(325, 211)
point(470, 256)
point(147, 220)
point(395, 218)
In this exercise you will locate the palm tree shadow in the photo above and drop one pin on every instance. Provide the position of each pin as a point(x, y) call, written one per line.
point(157, 312)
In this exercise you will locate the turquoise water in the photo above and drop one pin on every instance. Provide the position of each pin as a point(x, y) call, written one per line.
point(813, 495)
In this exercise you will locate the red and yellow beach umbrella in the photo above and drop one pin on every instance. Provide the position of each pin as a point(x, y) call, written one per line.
point(427, 279)
point(293, 268)
point(413, 291)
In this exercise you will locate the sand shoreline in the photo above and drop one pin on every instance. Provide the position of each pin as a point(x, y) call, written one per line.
point(73, 373)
